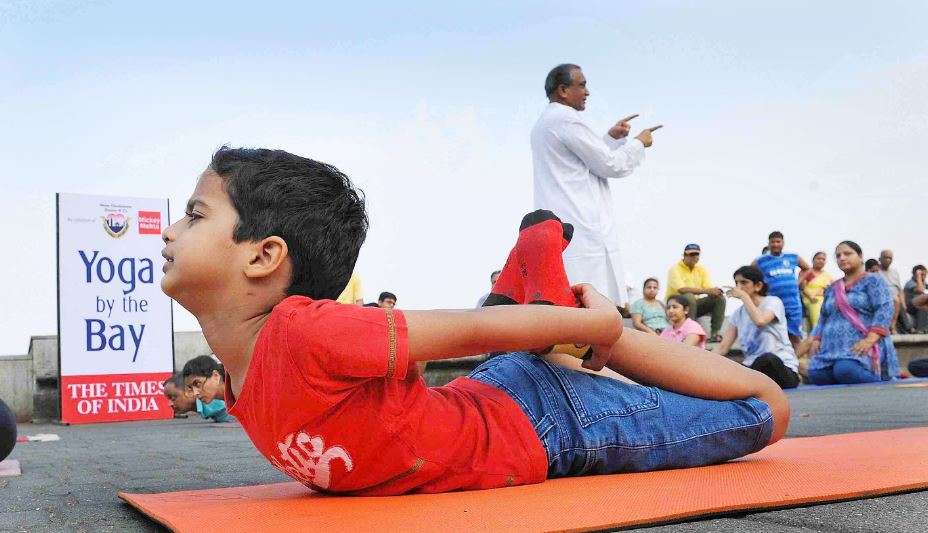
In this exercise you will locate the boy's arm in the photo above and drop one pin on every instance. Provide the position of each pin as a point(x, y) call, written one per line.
point(444, 334)
point(686, 370)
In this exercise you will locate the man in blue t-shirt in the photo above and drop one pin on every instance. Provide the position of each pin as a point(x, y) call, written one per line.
point(780, 275)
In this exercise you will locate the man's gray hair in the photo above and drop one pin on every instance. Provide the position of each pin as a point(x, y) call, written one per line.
point(559, 75)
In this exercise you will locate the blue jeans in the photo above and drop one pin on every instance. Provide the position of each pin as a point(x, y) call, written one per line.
point(845, 372)
point(592, 424)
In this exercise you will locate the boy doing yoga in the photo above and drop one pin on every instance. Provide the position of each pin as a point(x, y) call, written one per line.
point(328, 393)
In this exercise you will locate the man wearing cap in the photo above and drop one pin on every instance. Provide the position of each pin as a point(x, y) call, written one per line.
point(691, 280)
point(572, 167)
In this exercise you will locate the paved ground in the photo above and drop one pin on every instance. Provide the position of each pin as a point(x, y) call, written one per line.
point(71, 485)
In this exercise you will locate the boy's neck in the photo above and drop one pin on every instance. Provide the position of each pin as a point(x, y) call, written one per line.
point(231, 334)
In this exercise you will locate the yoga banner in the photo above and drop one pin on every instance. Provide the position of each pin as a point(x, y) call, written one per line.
point(115, 327)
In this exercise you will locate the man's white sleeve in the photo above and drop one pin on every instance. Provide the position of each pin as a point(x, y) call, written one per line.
point(597, 155)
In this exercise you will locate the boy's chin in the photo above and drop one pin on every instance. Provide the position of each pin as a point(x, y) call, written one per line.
point(170, 289)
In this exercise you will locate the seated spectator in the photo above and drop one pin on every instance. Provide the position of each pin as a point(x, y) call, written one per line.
point(779, 269)
point(681, 328)
point(813, 283)
point(648, 313)
point(204, 377)
point(916, 298)
point(851, 343)
point(872, 266)
point(891, 276)
point(353, 292)
point(760, 327)
point(692, 282)
point(493, 277)
point(181, 400)
point(386, 300)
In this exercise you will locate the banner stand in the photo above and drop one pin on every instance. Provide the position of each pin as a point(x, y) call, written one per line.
point(115, 326)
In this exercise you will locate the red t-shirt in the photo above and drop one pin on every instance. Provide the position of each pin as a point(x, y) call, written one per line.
point(328, 400)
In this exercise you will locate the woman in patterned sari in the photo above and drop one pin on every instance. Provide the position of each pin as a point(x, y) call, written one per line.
point(812, 284)
point(851, 343)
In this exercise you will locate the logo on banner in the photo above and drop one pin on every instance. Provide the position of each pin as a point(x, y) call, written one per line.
point(115, 224)
point(149, 222)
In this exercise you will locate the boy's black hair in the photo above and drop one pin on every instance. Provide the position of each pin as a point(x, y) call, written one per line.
point(775, 235)
point(203, 365)
point(680, 299)
point(384, 295)
point(870, 263)
point(371, 304)
point(753, 274)
point(312, 206)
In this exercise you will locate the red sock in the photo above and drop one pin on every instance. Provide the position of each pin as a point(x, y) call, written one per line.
point(508, 289)
point(541, 264)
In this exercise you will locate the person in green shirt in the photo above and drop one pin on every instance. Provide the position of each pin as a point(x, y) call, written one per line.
point(648, 313)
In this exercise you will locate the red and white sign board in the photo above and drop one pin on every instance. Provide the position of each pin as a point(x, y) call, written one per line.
point(115, 329)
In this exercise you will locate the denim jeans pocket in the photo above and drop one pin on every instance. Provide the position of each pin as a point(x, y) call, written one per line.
point(592, 398)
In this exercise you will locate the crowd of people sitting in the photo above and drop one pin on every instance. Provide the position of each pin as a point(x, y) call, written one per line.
point(795, 319)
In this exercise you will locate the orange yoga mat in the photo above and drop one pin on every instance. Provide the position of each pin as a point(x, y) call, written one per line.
point(792, 472)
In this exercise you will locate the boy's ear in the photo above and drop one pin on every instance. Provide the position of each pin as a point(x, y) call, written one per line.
point(267, 256)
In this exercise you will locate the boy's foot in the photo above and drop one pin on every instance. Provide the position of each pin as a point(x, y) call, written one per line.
point(536, 238)
point(542, 240)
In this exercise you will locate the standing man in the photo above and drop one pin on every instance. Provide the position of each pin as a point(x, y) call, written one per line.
point(572, 167)
point(782, 281)
point(896, 289)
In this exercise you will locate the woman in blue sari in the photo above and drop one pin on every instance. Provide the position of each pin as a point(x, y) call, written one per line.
point(851, 343)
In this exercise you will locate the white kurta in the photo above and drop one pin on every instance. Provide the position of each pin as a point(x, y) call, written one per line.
point(572, 168)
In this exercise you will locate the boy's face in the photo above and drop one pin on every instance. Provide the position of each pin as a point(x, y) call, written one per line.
point(181, 401)
point(200, 256)
point(776, 245)
point(387, 303)
point(205, 388)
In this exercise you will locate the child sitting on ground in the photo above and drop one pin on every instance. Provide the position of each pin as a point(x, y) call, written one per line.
point(204, 378)
point(325, 392)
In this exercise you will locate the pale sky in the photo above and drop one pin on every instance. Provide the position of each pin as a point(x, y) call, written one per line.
point(810, 118)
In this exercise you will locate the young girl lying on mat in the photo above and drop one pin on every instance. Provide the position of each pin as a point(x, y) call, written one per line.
point(328, 392)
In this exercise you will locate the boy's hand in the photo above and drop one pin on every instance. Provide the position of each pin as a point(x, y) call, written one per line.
point(590, 298)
